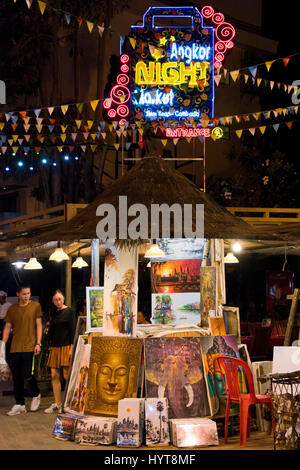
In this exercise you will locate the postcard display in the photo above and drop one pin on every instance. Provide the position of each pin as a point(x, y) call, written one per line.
point(130, 422)
point(156, 422)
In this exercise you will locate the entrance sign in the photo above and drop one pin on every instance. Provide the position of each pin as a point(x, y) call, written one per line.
point(167, 66)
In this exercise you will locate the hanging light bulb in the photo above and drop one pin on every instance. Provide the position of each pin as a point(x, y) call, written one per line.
point(19, 264)
point(237, 247)
point(154, 252)
point(33, 264)
point(58, 255)
point(79, 262)
point(230, 258)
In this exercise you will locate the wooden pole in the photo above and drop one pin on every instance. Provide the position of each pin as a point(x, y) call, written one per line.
point(69, 281)
point(95, 268)
point(291, 319)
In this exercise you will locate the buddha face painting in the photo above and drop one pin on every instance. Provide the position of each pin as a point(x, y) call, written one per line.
point(113, 377)
point(113, 373)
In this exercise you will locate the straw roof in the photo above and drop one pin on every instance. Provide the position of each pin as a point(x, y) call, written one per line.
point(150, 181)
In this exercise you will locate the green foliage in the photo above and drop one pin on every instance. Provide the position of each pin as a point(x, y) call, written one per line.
point(259, 179)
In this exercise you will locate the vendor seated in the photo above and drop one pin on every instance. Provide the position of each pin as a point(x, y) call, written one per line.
point(141, 319)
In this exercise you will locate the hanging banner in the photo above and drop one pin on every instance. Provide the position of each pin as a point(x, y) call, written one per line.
point(120, 291)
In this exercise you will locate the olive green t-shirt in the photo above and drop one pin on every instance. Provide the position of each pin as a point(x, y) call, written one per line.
point(23, 321)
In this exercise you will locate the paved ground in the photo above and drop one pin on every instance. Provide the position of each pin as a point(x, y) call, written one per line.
point(33, 431)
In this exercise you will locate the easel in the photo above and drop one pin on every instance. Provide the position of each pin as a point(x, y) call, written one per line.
point(291, 321)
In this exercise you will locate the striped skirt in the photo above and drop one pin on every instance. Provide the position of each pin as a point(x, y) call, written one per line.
point(59, 357)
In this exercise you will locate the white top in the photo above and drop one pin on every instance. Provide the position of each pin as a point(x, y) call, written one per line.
point(3, 309)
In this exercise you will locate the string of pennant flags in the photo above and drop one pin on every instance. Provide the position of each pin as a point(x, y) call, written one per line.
point(262, 129)
point(91, 26)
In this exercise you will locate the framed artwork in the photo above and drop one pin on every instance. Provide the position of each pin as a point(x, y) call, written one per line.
point(208, 293)
point(177, 276)
point(181, 248)
point(113, 373)
point(94, 308)
point(175, 309)
point(232, 322)
point(120, 292)
point(78, 398)
point(213, 347)
point(174, 370)
point(73, 369)
point(217, 326)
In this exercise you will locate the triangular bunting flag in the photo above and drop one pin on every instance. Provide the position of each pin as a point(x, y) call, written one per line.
point(89, 124)
point(68, 17)
point(276, 127)
point(93, 136)
point(234, 75)
point(217, 79)
point(29, 3)
point(23, 114)
point(239, 133)
point(117, 146)
point(132, 42)
point(63, 128)
point(286, 60)
point(78, 124)
point(27, 137)
point(50, 110)
point(100, 30)
point(10, 141)
point(271, 84)
point(128, 145)
point(59, 148)
point(175, 141)
point(83, 147)
point(289, 124)
point(15, 149)
point(79, 107)
point(73, 136)
point(253, 71)
point(269, 64)
point(164, 142)
point(85, 135)
point(64, 108)
point(90, 26)
point(262, 129)
point(2, 124)
point(39, 127)
point(20, 141)
point(79, 20)
point(94, 104)
point(37, 112)
point(63, 137)
point(246, 78)
point(3, 150)
point(93, 147)
point(259, 80)
point(50, 128)
point(103, 135)
point(15, 137)
point(71, 148)
point(42, 6)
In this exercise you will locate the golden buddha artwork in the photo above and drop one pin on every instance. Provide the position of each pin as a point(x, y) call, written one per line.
point(113, 373)
point(120, 292)
point(95, 299)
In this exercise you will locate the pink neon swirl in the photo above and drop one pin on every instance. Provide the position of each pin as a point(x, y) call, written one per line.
point(124, 68)
point(225, 32)
point(218, 18)
point(112, 113)
point(123, 110)
point(124, 58)
point(119, 91)
point(122, 79)
point(220, 46)
point(207, 12)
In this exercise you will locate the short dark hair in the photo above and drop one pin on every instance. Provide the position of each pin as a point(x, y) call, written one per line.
point(58, 291)
point(23, 286)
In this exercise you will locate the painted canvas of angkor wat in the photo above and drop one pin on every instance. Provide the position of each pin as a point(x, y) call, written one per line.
point(176, 276)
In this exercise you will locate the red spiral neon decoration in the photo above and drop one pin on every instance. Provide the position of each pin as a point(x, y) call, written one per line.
point(124, 68)
point(123, 110)
point(124, 58)
point(220, 46)
point(106, 104)
point(207, 12)
point(219, 57)
point(218, 18)
point(122, 79)
point(112, 113)
point(122, 121)
point(118, 91)
point(229, 44)
point(225, 32)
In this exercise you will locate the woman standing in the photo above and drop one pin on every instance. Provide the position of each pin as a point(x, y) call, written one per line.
point(61, 335)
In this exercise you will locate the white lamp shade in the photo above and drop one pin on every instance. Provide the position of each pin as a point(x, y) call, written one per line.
point(154, 252)
point(230, 258)
point(79, 263)
point(59, 255)
point(33, 264)
point(18, 264)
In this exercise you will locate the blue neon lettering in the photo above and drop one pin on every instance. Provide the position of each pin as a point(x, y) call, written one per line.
point(160, 98)
point(189, 53)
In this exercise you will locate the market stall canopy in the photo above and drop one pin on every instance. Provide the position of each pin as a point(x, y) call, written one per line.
point(150, 181)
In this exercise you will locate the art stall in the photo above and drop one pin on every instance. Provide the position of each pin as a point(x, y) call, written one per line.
point(157, 380)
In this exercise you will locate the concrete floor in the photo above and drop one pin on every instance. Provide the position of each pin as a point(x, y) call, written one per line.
point(33, 431)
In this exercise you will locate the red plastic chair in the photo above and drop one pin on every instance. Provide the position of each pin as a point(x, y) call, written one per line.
point(229, 367)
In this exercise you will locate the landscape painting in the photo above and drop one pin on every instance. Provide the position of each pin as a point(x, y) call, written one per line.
point(175, 276)
point(181, 248)
point(175, 309)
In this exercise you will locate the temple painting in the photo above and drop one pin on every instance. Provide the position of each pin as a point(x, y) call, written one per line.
point(174, 370)
point(120, 291)
point(175, 276)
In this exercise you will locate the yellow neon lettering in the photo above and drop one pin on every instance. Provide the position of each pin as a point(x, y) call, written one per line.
point(170, 73)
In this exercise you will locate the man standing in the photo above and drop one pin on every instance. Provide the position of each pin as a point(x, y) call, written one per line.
point(4, 306)
point(25, 318)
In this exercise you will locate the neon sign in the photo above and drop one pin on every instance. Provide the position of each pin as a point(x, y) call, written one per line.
point(180, 132)
point(167, 72)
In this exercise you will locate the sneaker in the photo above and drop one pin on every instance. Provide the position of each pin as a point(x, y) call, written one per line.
point(35, 403)
point(17, 410)
point(54, 408)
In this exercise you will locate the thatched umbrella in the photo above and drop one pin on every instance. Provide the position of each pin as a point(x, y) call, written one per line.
point(151, 181)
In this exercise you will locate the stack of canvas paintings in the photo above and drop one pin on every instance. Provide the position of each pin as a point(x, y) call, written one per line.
point(174, 370)
point(131, 415)
point(156, 422)
point(95, 431)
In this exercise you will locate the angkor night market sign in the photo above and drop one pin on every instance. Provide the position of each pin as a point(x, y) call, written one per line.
point(167, 72)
